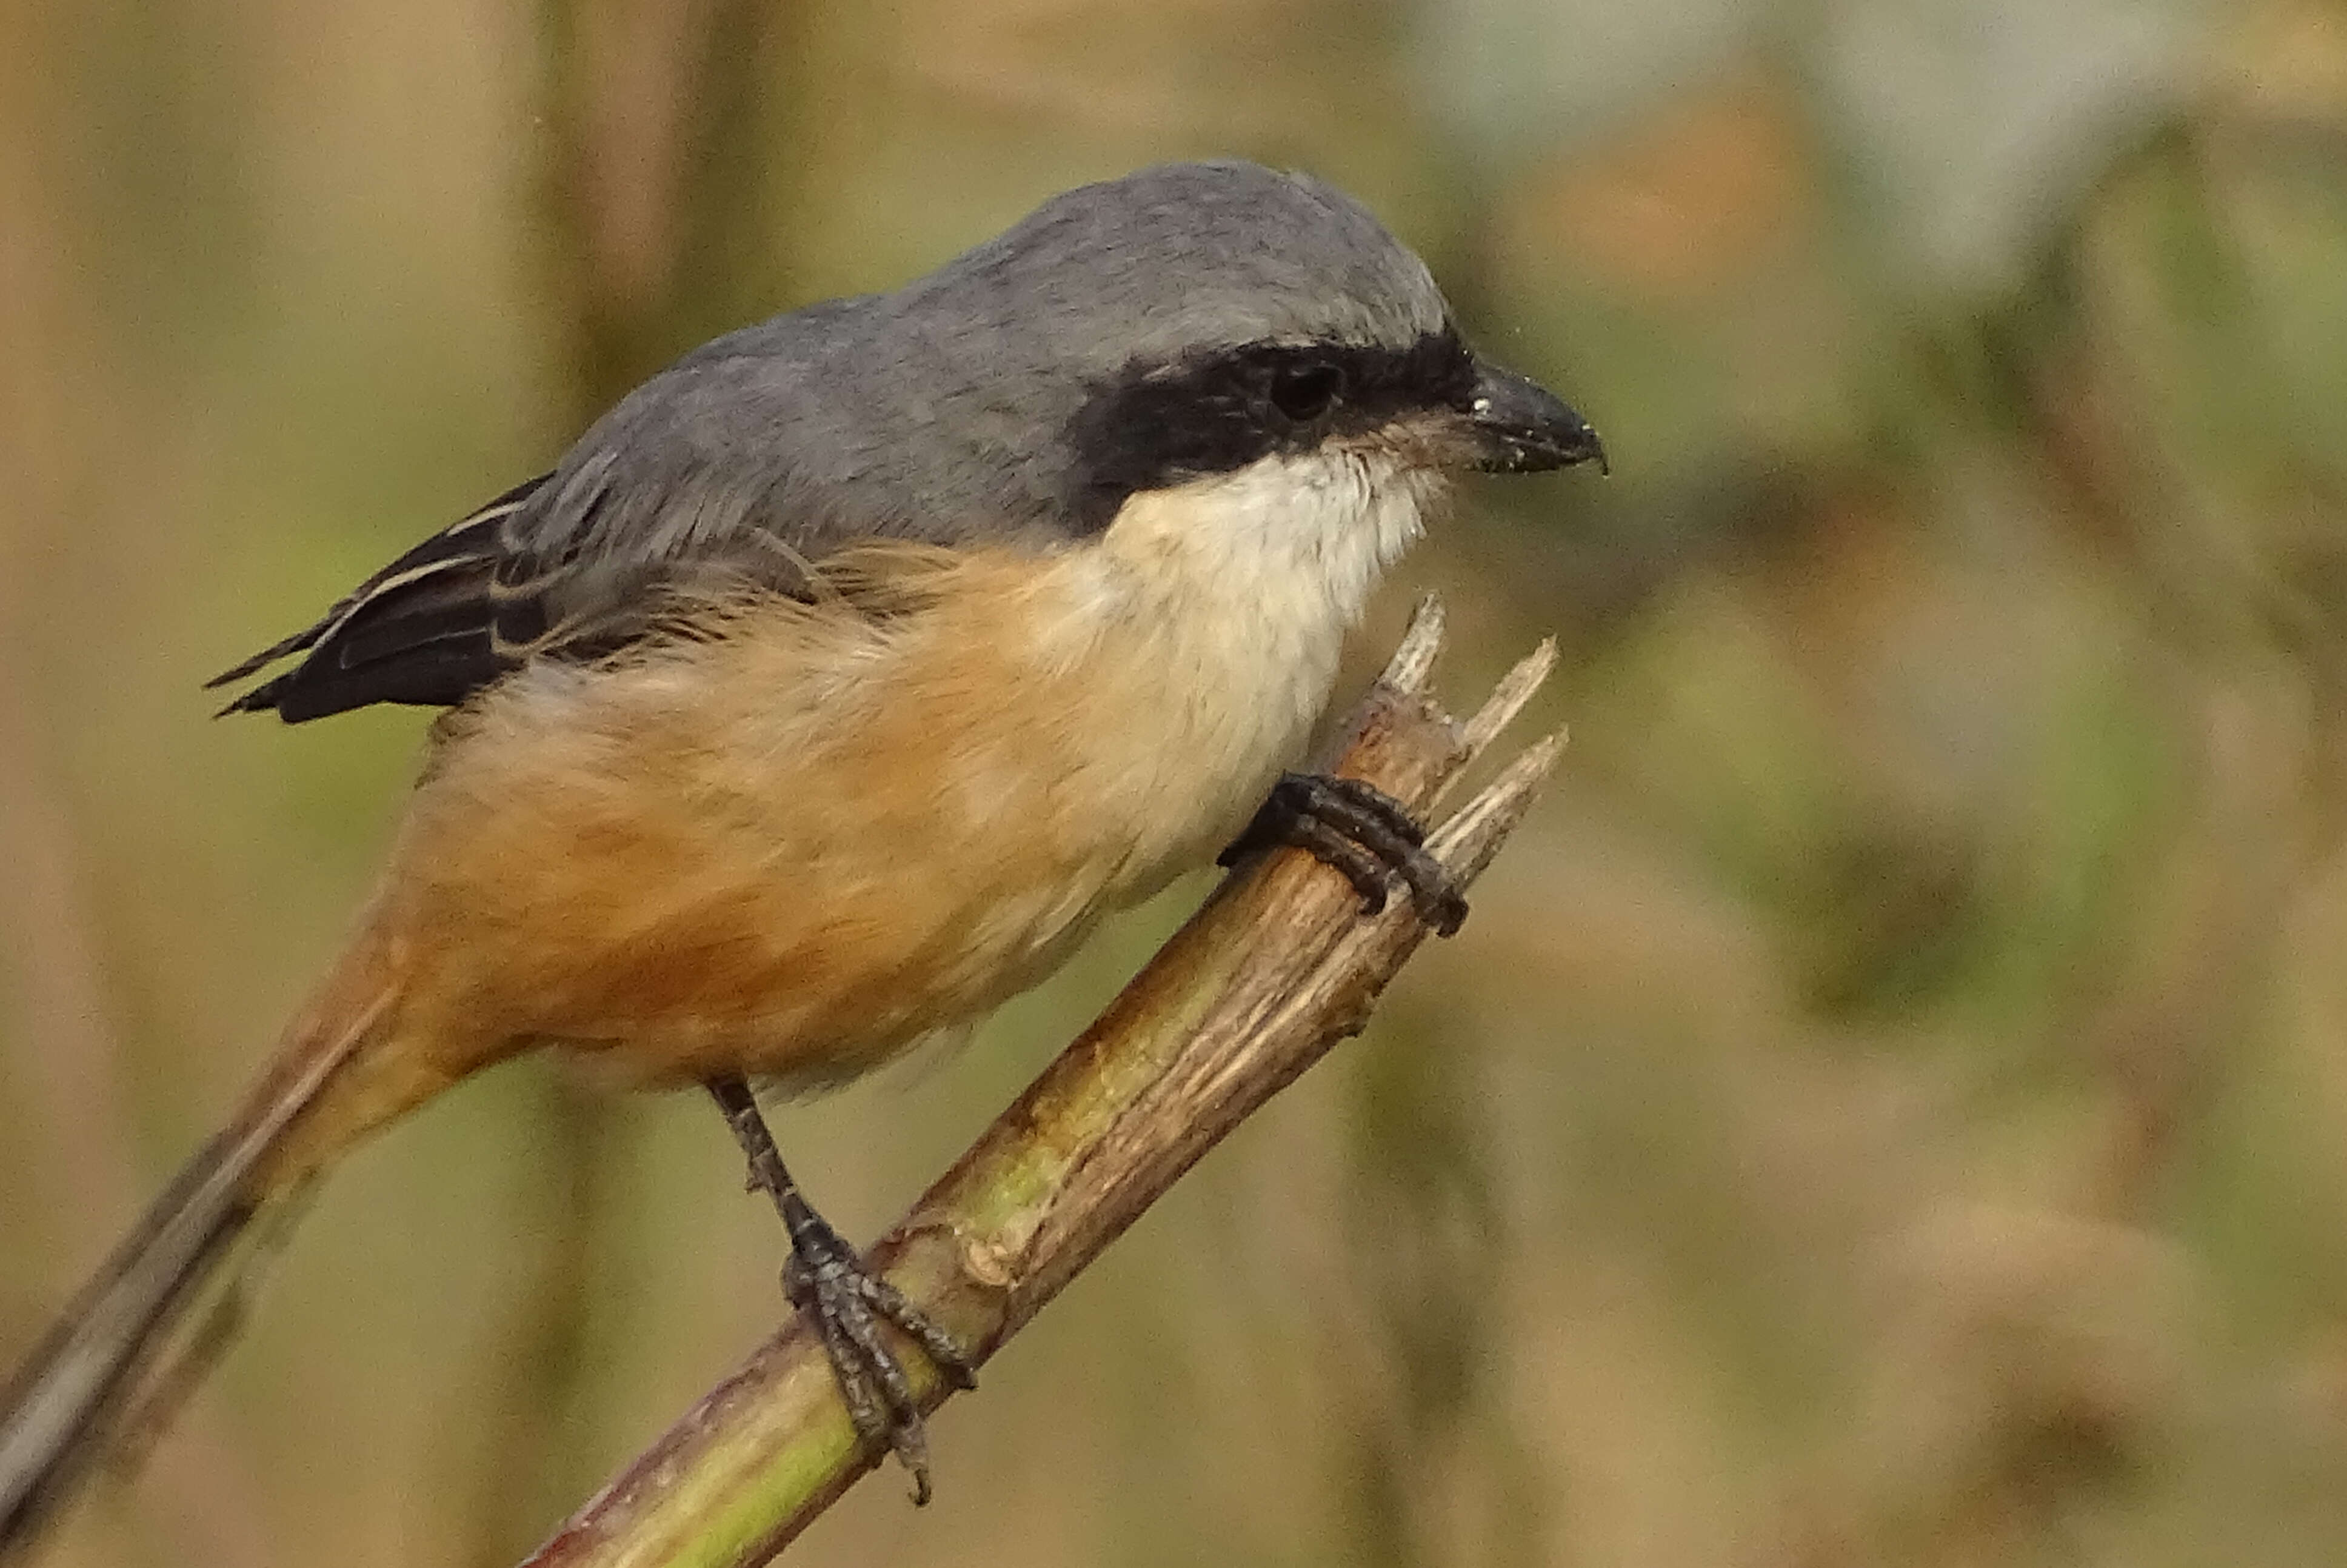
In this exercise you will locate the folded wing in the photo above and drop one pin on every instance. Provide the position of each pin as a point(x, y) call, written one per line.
point(433, 626)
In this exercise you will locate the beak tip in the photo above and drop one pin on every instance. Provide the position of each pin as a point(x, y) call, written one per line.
point(1527, 429)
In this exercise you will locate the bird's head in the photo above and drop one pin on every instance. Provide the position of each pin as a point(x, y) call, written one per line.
point(1191, 320)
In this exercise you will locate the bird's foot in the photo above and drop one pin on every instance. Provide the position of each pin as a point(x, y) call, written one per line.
point(848, 1304)
point(1362, 832)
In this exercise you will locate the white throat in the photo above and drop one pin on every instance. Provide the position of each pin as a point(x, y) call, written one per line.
point(1233, 595)
point(1289, 549)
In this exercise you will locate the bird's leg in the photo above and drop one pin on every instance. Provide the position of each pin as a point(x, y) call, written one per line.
point(1363, 831)
point(827, 1279)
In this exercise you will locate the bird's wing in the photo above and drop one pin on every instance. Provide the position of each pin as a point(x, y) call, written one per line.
point(688, 484)
point(433, 626)
point(523, 578)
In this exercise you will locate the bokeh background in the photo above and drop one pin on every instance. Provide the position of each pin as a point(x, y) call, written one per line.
point(1891, 1105)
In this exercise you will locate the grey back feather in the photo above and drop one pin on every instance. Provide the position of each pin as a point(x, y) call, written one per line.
point(940, 413)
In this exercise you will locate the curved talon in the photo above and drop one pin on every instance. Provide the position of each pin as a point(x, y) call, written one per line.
point(1361, 831)
point(826, 1279)
point(943, 1351)
point(865, 1410)
point(1373, 804)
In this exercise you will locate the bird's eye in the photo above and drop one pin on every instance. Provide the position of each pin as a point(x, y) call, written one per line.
point(1305, 392)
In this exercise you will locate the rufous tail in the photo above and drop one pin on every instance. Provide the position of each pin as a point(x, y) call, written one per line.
point(69, 1406)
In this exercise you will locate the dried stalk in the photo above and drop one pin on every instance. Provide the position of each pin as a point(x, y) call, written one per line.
point(1278, 967)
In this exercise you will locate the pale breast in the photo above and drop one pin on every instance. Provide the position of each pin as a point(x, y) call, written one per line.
point(1232, 598)
point(797, 844)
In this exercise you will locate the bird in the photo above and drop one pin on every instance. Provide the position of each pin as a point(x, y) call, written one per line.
point(831, 688)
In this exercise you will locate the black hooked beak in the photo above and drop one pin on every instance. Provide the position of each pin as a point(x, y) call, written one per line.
point(1522, 427)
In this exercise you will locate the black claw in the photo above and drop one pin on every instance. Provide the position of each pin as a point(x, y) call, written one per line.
point(1370, 808)
point(826, 1279)
point(865, 1409)
point(1362, 832)
point(942, 1349)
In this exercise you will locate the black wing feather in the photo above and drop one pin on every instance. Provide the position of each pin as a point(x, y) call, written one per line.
point(430, 629)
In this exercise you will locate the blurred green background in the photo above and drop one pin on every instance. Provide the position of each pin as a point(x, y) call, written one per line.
point(1891, 1105)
